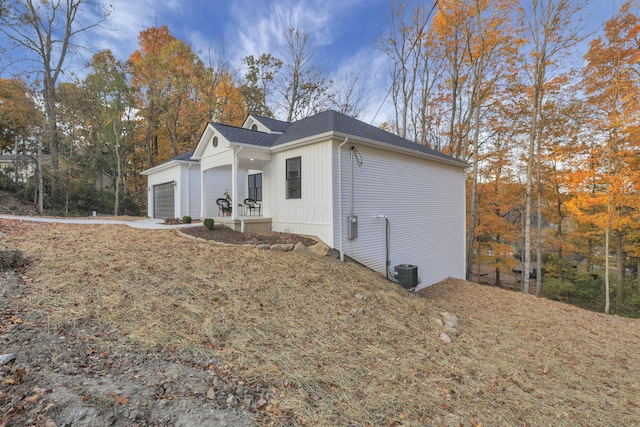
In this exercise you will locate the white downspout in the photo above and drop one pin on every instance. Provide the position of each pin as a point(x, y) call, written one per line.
point(189, 189)
point(203, 203)
point(340, 195)
point(234, 184)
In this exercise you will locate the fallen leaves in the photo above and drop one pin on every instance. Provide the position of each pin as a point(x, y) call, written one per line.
point(260, 316)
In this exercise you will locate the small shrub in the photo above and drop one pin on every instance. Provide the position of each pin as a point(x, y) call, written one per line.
point(11, 259)
point(186, 219)
point(172, 221)
point(557, 289)
point(208, 223)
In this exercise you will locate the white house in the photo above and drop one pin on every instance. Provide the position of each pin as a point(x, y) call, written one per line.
point(373, 196)
point(24, 165)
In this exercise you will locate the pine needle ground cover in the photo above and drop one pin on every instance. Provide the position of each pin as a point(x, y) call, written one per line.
point(328, 343)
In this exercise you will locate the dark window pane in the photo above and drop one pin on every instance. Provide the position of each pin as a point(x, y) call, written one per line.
point(293, 176)
point(255, 187)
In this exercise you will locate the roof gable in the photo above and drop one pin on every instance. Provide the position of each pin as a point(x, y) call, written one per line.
point(266, 124)
point(245, 136)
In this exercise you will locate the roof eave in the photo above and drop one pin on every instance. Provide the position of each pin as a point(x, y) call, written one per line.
point(168, 165)
point(303, 141)
point(372, 142)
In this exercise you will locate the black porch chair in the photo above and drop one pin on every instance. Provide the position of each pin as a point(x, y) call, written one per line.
point(224, 207)
point(252, 206)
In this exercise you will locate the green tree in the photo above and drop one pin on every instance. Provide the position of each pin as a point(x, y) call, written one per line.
point(107, 82)
point(259, 80)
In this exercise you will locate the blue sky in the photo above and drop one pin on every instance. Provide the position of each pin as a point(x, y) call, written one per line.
point(343, 32)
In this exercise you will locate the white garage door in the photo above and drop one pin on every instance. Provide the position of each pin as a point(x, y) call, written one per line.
point(163, 200)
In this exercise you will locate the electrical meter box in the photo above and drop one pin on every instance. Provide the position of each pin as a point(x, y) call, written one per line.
point(352, 226)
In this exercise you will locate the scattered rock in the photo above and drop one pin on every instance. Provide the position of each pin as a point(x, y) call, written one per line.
point(451, 331)
point(232, 400)
point(282, 247)
point(6, 358)
point(439, 322)
point(263, 247)
point(211, 393)
point(450, 320)
point(445, 338)
point(300, 247)
point(320, 249)
point(118, 389)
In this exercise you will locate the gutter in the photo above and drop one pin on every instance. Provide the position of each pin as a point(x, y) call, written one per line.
point(167, 165)
point(371, 142)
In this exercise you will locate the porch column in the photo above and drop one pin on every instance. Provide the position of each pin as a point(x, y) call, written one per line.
point(203, 201)
point(234, 184)
point(150, 201)
point(188, 209)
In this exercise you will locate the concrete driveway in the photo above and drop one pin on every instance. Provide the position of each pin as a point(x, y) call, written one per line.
point(150, 223)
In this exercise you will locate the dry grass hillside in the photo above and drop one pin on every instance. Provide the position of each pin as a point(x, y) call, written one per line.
point(329, 344)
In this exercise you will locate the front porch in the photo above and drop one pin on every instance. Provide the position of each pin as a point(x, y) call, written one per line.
point(245, 224)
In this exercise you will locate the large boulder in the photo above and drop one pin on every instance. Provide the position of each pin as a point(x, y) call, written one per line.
point(300, 247)
point(320, 249)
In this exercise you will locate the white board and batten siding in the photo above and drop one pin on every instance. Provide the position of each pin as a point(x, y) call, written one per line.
point(312, 214)
point(190, 192)
point(216, 182)
point(186, 177)
point(424, 201)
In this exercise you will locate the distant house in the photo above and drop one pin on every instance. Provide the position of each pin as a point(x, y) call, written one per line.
point(24, 165)
point(371, 195)
point(105, 181)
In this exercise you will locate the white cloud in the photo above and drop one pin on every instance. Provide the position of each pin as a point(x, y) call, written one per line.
point(127, 20)
point(374, 77)
point(260, 27)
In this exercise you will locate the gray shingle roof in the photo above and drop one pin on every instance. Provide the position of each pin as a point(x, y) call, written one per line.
point(330, 120)
point(273, 124)
point(11, 157)
point(321, 123)
point(246, 136)
point(186, 157)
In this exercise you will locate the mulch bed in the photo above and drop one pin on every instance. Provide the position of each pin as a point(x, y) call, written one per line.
point(224, 234)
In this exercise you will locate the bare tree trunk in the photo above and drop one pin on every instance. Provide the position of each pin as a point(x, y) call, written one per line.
point(119, 169)
point(149, 143)
point(16, 165)
point(619, 271)
point(477, 82)
point(40, 178)
point(559, 236)
point(538, 221)
point(638, 275)
point(607, 302)
point(527, 203)
point(539, 70)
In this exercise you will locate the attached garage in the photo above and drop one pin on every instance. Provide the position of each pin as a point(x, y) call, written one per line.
point(164, 200)
point(173, 189)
